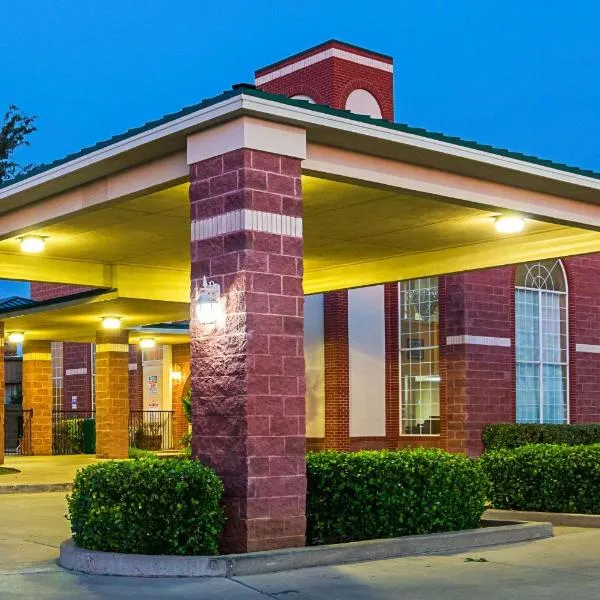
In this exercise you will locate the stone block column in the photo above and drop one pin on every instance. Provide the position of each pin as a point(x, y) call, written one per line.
point(112, 394)
point(2, 388)
point(247, 369)
point(181, 359)
point(37, 393)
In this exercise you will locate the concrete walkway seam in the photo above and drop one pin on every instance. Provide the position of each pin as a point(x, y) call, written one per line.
point(140, 565)
point(35, 488)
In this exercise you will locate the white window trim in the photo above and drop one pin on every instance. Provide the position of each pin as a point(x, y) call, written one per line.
point(566, 364)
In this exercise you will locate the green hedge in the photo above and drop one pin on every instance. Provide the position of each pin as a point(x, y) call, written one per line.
point(511, 435)
point(546, 478)
point(370, 495)
point(147, 506)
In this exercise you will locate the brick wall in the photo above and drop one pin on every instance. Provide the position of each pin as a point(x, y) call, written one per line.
point(583, 277)
point(331, 81)
point(181, 359)
point(337, 367)
point(76, 359)
point(136, 376)
point(480, 379)
point(47, 291)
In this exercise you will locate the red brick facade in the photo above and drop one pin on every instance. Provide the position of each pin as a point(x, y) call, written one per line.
point(331, 81)
point(248, 374)
point(77, 369)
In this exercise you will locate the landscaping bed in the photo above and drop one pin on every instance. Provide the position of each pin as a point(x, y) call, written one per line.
point(545, 478)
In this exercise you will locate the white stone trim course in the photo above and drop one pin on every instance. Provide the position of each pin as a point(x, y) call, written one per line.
point(37, 356)
point(592, 348)
point(477, 340)
point(82, 371)
point(329, 53)
point(111, 348)
point(246, 220)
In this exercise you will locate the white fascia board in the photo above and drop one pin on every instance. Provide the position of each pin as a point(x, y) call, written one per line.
point(300, 116)
point(311, 117)
point(187, 122)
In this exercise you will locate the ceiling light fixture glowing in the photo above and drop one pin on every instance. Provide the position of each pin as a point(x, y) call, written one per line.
point(147, 343)
point(16, 337)
point(32, 244)
point(509, 224)
point(111, 323)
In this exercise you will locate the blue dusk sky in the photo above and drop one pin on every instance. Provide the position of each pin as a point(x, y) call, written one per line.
point(519, 74)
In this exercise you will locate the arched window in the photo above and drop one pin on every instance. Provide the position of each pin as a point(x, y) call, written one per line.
point(541, 342)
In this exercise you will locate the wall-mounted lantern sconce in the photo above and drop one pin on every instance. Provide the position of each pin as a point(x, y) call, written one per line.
point(207, 305)
point(176, 374)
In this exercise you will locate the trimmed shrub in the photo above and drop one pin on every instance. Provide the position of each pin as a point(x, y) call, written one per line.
point(147, 506)
point(514, 435)
point(546, 478)
point(371, 494)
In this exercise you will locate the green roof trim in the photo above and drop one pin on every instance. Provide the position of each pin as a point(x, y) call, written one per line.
point(319, 108)
point(27, 304)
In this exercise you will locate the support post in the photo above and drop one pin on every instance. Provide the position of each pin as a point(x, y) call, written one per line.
point(37, 393)
point(2, 393)
point(112, 394)
point(248, 368)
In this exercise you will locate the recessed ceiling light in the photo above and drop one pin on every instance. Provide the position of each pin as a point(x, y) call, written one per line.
point(509, 224)
point(111, 323)
point(147, 343)
point(16, 337)
point(32, 244)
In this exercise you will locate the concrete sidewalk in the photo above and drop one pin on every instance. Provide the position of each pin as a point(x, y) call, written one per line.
point(43, 471)
point(32, 526)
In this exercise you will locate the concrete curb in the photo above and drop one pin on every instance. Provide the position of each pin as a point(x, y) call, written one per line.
point(137, 565)
point(35, 488)
point(557, 519)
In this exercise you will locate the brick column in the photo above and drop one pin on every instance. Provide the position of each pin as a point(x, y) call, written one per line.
point(180, 358)
point(3, 392)
point(37, 393)
point(248, 369)
point(112, 394)
point(337, 367)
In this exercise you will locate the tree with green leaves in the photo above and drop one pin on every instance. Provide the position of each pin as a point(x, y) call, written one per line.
point(14, 130)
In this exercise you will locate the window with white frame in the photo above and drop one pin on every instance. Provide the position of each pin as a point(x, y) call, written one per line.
point(56, 357)
point(419, 357)
point(541, 333)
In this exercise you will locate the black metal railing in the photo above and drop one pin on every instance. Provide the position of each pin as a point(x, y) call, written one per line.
point(73, 432)
point(151, 429)
point(17, 430)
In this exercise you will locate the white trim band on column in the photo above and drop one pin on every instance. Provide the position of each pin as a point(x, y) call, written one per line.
point(329, 53)
point(246, 220)
point(82, 371)
point(37, 356)
point(132, 366)
point(593, 348)
point(112, 348)
point(477, 340)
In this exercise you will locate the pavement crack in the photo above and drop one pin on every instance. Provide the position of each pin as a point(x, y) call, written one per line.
point(265, 594)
